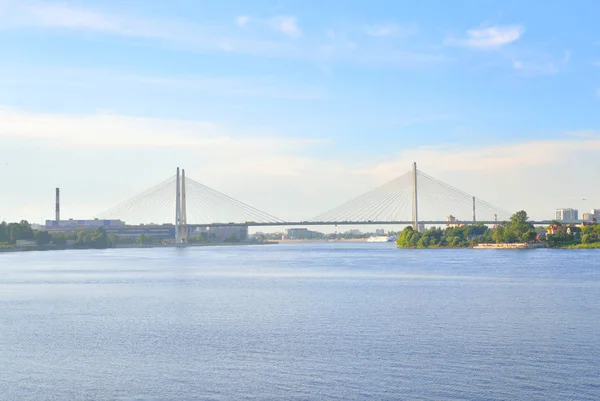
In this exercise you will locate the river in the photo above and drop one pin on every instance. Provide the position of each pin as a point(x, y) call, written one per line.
point(311, 321)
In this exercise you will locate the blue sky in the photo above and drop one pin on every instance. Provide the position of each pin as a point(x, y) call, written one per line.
point(294, 106)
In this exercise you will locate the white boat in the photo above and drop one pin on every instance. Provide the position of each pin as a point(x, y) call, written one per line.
point(380, 239)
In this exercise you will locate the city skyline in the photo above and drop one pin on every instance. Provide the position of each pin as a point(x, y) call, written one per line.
point(293, 108)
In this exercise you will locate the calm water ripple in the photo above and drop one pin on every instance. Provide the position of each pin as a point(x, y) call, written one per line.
point(302, 321)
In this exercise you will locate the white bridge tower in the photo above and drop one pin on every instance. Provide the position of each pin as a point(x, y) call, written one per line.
point(181, 230)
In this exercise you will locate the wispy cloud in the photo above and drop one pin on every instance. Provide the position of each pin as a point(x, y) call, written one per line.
point(514, 176)
point(287, 25)
point(184, 35)
point(284, 24)
point(245, 163)
point(252, 165)
point(107, 130)
point(425, 119)
point(531, 69)
point(596, 63)
point(181, 35)
point(242, 20)
point(55, 15)
point(489, 38)
point(528, 62)
point(255, 87)
point(392, 30)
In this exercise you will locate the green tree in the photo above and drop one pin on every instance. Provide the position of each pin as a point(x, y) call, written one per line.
point(113, 239)
point(404, 239)
point(143, 239)
point(3, 232)
point(43, 238)
point(423, 242)
point(498, 234)
point(99, 238)
point(519, 217)
point(19, 231)
point(60, 240)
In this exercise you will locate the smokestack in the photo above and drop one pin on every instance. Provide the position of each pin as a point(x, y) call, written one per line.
point(57, 204)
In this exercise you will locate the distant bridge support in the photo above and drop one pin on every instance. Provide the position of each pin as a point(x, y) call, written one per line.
point(415, 199)
point(181, 229)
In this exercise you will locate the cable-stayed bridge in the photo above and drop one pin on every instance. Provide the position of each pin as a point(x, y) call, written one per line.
point(414, 198)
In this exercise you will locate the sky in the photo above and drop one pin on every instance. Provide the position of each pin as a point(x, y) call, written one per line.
point(297, 106)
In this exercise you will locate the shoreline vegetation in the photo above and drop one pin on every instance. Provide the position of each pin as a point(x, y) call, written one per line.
point(20, 237)
point(518, 233)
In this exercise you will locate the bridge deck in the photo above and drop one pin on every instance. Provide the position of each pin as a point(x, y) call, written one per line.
point(355, 223)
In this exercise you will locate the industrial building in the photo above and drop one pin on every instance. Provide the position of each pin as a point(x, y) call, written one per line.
point(72, 224)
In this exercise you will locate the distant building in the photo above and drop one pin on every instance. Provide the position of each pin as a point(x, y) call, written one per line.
point(380, 231)
point(298, 233)
point(450, 220)
point(593, 216)
point(83, 224)
point(355, 232)
point(158, 232)
point(225, 233)
point(566, 215)
point(552, 230)
point(24, 243)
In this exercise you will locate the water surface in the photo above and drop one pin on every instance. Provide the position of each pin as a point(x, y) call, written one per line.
point(300, 321)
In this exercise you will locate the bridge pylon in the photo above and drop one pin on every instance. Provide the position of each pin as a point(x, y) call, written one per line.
point(181, 230)
point(415, 203)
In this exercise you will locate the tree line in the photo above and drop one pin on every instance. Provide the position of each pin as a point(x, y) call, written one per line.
point(518, 229)
point(573, 237)
point(97, 238)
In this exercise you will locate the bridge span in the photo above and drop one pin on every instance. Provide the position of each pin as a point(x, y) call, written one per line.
point(359, 223)
point(414, 198)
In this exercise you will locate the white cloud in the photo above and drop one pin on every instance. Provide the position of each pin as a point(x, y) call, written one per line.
point(103, 158)
point(242, 20)
point(392, 30)
point(491, 158)
point(105, 130)
point(48, 15)
point(287, 25)
point(492, 37)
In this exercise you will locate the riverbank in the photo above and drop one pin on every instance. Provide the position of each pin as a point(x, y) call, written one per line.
point(323, 240)
point(47, 248)
point(594, 245)
point(518, 245)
